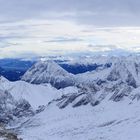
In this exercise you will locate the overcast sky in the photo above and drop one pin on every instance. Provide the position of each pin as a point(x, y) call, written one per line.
point(60, 27)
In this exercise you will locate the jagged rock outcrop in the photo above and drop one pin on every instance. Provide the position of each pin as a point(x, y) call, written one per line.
point(11, 108)
point(6, 134)
point(120, 71)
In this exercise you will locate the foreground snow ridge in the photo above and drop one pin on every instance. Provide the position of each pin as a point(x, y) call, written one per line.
point(50, 103)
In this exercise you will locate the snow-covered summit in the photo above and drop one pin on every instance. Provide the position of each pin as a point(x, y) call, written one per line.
point(49, 72)
point(127, 70)
point(3, 79)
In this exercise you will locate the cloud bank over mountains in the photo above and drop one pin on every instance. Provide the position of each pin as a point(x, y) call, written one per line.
point(52, 27)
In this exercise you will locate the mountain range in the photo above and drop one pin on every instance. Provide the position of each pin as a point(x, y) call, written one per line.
point(48, 102)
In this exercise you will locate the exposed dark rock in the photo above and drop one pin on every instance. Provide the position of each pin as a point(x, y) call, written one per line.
point(131, 81)
point(40, 109)
point(82, 101)
point(95, 103)
point(66, 100)
point(8, 134)
point(23, 108)
point(120, 93)
point(113, 76)
point(11, 108)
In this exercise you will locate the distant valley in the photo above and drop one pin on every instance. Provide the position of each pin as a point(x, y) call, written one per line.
point(13, 69)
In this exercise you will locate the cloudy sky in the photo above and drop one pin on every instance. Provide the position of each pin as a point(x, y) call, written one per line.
point(30, 28)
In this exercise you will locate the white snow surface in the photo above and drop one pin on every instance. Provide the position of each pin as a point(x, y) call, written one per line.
point(36, 95)
point(107, 121)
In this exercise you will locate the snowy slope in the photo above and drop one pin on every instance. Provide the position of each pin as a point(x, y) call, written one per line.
point(108, 121)
point(36, 95)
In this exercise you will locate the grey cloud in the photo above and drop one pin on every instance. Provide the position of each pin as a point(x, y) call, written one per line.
point(102, 46)
point(64, 39)
point(113, 52)
point(96, 12)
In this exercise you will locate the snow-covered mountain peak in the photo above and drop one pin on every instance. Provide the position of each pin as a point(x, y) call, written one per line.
point(49, 72)
point(127, 70)
point(3, 79)
point(51, 67)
